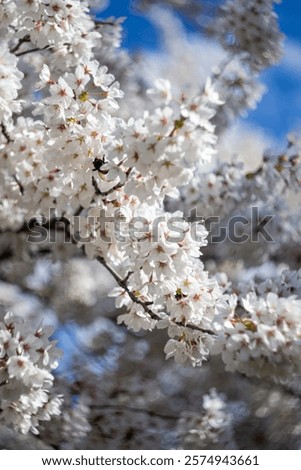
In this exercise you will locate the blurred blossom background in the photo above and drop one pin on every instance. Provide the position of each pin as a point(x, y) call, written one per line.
point(109, 373)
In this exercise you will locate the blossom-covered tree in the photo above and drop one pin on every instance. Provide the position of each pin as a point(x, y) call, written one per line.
point(115, 183)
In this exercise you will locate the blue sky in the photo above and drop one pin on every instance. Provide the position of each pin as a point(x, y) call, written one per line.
point(280, 109)
point(279, 112)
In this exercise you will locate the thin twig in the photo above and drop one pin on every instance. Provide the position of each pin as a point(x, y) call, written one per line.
point(19, 184)
point(123, 283)
point(104, 23)
point(133, 410)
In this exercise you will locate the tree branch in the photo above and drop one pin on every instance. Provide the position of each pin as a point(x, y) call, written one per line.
point(5, 133)
point(123, 284)
point(109, 191)
point(19, 43)
point(29, 51)
point(19, 184)
point(133, 410)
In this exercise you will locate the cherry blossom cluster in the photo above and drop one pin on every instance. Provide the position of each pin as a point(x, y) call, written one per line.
point(27, 358)
point(239, 90)
point(75, 422)
point(261, 336)
point(165, 145)
point(166, 276)
point(78, 115)
point(52, 167)
point(118, 173)
point(10, 83)
point(216, 191)
point(155, 152)
point(214, 424)
point(229, 185)
point(250, 28)
point(71, 427)
point(286, 284)
point(65, 27)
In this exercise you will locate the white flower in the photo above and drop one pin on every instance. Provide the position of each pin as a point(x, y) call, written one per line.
point(10, 82)
point(137, 319)
point(19, 367)
point(213, 424)
point(263, 340)
point(252, 26)
point(61, 93)
point(26, 375)
point(162, 90)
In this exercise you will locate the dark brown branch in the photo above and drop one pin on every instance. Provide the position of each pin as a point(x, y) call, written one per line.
point(133, 410)
point(114, 188)
point(104, 23)
point(5, 133)
point(29, 51)
point(19, 44)
point(19, 184)
point(123, 284)
point(77, 211)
